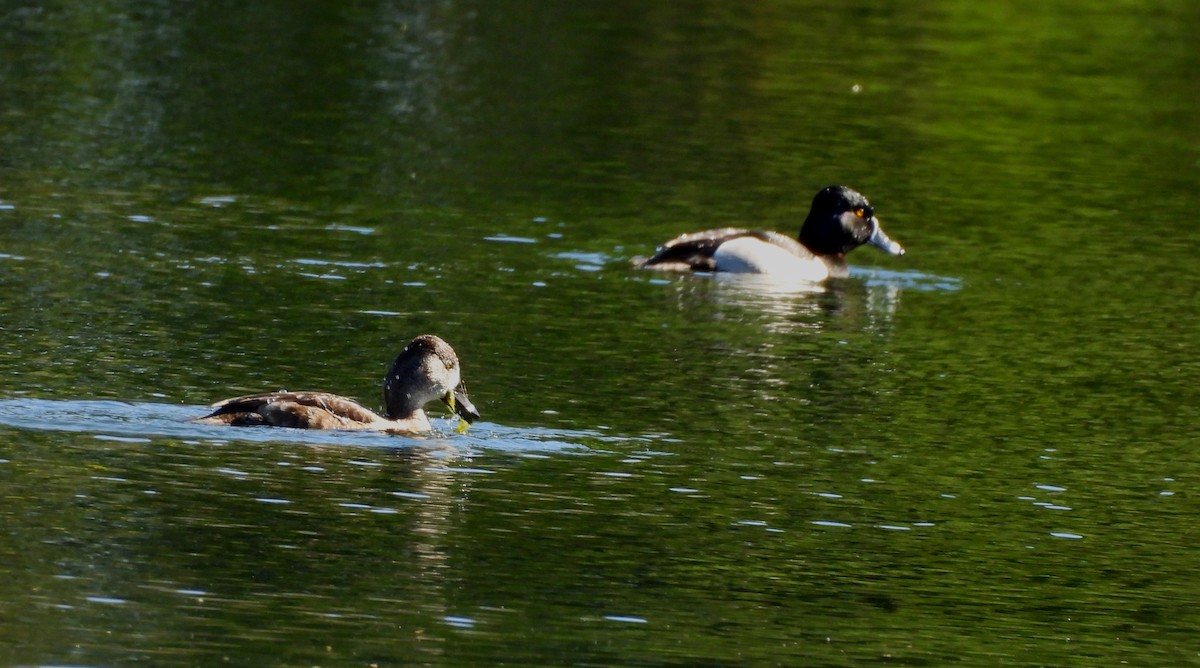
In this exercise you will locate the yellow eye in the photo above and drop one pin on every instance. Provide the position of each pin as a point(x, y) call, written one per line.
point(859, 212)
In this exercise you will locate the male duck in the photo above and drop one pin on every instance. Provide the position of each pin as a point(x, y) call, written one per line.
point(840, 220)
point(425, 370)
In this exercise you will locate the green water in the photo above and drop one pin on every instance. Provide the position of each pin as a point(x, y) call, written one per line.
point(981, 453)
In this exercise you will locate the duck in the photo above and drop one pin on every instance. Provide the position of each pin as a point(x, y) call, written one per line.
point(840, 220)
point(426, 369)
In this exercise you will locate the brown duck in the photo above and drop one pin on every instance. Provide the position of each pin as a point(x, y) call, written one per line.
point(425, 370)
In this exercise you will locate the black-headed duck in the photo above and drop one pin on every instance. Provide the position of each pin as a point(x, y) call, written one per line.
point(425, 370)
point(840, 220)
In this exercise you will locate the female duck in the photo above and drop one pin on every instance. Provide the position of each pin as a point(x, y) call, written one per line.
point(839, 221)
point(425, 370)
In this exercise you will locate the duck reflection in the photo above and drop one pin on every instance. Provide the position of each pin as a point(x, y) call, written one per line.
point(783, 346)
point(784, 306)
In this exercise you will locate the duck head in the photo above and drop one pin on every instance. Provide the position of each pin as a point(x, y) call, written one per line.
point(427, 369)
point(840, 220)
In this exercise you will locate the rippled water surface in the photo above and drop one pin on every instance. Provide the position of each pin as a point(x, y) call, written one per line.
point(981, 453)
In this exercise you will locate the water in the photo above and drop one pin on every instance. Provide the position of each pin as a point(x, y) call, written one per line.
point(979, 453)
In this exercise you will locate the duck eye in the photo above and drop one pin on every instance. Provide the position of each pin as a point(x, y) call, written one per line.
point(864, 212)
point(859, 212)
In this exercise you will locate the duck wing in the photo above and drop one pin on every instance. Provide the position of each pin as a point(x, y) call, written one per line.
point(307, 410)
point(694, 251)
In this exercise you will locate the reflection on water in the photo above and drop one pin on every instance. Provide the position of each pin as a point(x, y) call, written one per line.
point(906, 280)
point(784, 305)
point(227, 537)
point(141, 421)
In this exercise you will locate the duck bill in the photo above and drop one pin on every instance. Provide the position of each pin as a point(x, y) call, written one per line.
point(461, 405)
point(881, 240)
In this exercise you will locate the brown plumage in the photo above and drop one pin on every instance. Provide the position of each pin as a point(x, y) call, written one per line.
point(427, 369)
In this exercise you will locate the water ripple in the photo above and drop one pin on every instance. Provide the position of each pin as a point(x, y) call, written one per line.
point(135, 422)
